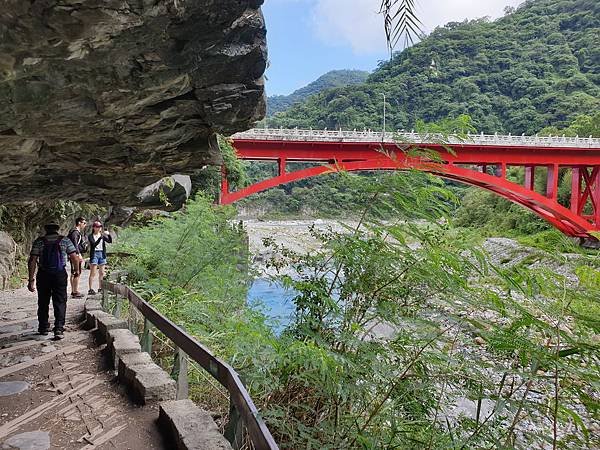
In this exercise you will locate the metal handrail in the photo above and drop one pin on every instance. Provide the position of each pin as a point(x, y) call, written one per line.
point(260, 435)
point(295, 134)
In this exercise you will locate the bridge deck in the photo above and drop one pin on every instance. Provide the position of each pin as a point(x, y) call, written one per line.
point(344, 136)
point(480, 160)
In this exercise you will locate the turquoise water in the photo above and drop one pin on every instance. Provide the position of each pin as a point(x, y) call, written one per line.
point(274, 300)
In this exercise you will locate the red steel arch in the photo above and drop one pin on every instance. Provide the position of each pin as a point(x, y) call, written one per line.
point(465, 162)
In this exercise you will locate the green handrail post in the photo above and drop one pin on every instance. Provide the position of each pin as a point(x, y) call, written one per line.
point(147, 337)
point(118, 306)
point(234, 430)
point(180, 373)
point(104, 297)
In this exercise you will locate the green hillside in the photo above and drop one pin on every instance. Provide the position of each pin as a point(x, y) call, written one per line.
point(536, 67)
point(332, 79)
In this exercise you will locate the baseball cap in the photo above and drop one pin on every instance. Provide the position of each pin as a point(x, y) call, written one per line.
point(51, 226)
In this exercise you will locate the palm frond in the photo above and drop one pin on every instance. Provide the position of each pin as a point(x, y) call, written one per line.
point(400, 21)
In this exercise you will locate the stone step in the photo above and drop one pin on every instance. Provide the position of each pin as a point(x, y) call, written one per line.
point(24, 320)
point(12, 387)
point(91, 304)
point(21, 345)
point(38, 440)
point(104, 322)
point(190, 428)
point(41, 359)
point(145, 381)
point(91, 319)
point(127, 366)
point(152, 384)
point(70, 337)
point(26, 332)
point(121, 342)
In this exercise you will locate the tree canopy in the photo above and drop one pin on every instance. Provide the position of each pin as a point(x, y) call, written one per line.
point(332, 79)
point(536, 67)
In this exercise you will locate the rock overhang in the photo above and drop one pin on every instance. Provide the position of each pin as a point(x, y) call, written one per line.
point(100, 98)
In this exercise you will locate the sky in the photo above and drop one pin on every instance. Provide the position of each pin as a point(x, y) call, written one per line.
point(307, 38)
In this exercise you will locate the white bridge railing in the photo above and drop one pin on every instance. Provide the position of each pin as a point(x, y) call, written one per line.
point(295, 134)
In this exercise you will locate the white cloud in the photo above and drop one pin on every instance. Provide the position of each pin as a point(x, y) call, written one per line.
point(356, 22)
point(437, 12)
point(353, 22)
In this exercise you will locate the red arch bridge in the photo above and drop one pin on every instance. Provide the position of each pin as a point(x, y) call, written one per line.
point(478, 160)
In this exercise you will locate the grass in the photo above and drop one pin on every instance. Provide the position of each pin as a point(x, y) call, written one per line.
point(19, 276)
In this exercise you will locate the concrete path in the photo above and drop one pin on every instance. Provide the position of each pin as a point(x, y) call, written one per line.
point(59, 394)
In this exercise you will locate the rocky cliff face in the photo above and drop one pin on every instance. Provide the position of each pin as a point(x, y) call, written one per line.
point(8, 256)
point(100, 98)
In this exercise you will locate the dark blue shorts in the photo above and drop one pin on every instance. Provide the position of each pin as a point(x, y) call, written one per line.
point(98, 259)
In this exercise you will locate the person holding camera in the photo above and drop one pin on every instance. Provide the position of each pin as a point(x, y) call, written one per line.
point(98, 239)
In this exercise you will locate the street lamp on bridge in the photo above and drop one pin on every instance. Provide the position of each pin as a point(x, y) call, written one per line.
point(383, 134)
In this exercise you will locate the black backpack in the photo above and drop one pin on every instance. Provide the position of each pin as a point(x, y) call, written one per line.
point(52, 258)
point(82, 244)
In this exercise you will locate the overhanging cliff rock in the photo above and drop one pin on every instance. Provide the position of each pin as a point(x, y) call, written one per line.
point(100, 98)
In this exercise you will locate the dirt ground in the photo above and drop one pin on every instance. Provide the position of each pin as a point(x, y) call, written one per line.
point(70, 400)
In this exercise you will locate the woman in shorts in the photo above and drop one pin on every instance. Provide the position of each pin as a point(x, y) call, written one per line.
point(98, 239)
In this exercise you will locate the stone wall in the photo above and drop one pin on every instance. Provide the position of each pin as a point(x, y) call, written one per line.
point(25, 222)
point(8, 258)
point(102, 98)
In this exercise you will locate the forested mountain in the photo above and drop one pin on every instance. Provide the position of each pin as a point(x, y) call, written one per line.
point(332, 79)
point(538, 66)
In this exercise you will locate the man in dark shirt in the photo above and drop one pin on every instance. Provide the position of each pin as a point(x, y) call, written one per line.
point(80, 242)
point(49, 255)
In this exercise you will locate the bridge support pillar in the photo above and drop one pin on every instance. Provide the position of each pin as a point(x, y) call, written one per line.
point(530, 178)
point(585, 185)
point(282, 163)
point(576, 179)
point(552, 182)
point(595, 179)
point(224, 184)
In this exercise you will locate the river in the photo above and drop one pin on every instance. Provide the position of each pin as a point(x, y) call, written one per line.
point(273, 299)
point(271, 296)
point(295, 235)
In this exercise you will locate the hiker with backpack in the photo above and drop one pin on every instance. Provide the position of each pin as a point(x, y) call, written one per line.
point(81, 245)
point(98, 239)
point(49, 256)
